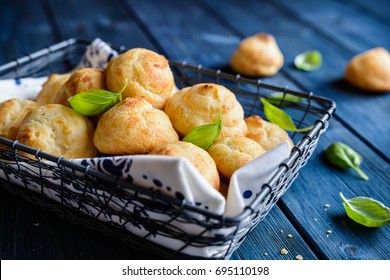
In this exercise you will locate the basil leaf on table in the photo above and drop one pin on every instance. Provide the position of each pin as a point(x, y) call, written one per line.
point(204, 136)
point(277, 97)
point(280, 117)
point(308, 61)
point(345, 157)
point(366, 211)
point(95, 102)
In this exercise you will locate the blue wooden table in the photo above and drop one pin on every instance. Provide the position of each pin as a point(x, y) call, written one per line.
point(208, 32)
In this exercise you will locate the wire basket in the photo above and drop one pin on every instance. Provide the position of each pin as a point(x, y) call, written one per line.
point(94, 189)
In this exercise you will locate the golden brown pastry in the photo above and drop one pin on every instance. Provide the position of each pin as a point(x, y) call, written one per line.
point(370, 70)
point(146, 73)
point(231, 153)
point(201, 104)
point(133, 126)
point(84, 79)
point(199, 158)
point(49, 90)
point(58, 130)
point(257, 55)
point(267, 134)
point(12, 113)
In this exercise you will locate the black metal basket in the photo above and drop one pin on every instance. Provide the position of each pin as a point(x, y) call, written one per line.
point(99, 190)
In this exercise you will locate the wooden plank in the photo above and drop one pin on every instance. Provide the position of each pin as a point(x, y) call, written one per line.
point(339, 22)
point(196, 36)
point(106, 20)
point(198, 42)
point(19, 33)
point(269, 238)
point(295, 37)
point(319, 180)
point(34, 233)
point(379, 9)
point(320, 184)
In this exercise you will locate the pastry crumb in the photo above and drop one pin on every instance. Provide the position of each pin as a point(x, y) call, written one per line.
point(299, 257)
point(327, 205)
point(289, 235)
point(265, 254)
point(284, 251)
point(328, 231)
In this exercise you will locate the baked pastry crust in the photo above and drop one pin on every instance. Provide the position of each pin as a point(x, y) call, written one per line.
point(201, 104)
point(49, 90)
point(267, 134)
point(199, 158)
point(12, 112)
point(133, 126)
point(84, 79)
point(146, 73)
point(257, 55)
point(58, 130)
point(231, 153)
point(370, 70)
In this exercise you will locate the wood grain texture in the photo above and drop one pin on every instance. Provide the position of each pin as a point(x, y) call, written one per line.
point(19, 34)
point(195, 36)
point(319, 183)
point(294, 37)
point(90, 19)
point(207, 33)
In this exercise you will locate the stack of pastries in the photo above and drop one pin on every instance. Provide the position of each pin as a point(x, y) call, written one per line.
point(152, 118)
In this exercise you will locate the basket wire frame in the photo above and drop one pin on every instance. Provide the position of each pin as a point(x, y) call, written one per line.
point(99, 190)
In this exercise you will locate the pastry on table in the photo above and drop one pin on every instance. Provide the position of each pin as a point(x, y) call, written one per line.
point(12, 113)
point(201, 104)
point(199, 158)
point(49, 90)
point(58, 130)
point(133, 126)
point(370, 70)
point(81, 80)
point(146, 73)
point(257, 55)
point(231, 153)
point(267, 134)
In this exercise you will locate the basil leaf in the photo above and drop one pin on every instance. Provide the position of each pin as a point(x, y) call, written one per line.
point(308, 61)
point(280, 117)
point(95, 102)
point(277, 98)
point(366, 211)
point(344, 157)
point(204, 136)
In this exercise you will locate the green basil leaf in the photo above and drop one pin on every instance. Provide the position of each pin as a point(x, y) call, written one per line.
point(345, 157)
point(95, 102)
point(277, 98)
point(280, 117)
point(366, 211)
point(204, 136)
point(308, 61)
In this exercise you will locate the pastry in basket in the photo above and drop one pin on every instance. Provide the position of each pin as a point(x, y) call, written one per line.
point(199, 158)
point(201, 104)
point(58, 130)
point(231, 153)
point(267, 134)
point(12, 112)
point(257, 55)
point(133, 126)
point(146, 73)
point(49, 90)
point(81, 80)
point(370, 70)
